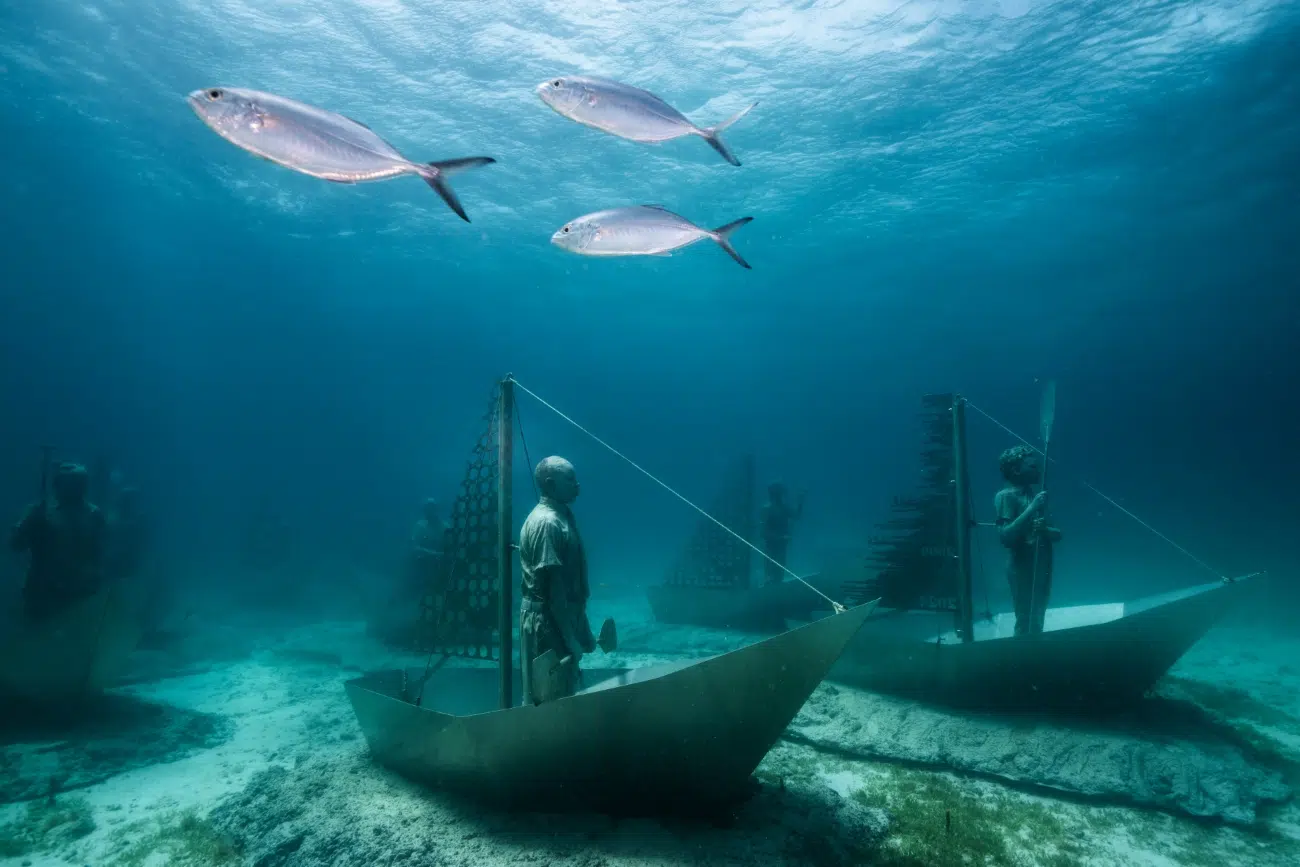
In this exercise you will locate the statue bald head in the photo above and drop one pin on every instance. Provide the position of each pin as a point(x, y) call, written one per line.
point(1019, 465)
point(557, 479)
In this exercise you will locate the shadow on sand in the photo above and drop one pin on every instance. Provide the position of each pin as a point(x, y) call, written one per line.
point(50, 748)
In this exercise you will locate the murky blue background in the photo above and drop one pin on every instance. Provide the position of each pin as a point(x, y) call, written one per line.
point(947, 196)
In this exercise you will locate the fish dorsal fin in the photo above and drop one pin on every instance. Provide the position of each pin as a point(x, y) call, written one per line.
point(358, 123)
point(656, 207)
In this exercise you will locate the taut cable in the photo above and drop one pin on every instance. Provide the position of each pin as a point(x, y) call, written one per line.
point(838, 608)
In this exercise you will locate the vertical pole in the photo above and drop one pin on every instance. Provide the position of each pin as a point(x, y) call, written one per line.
point(505, 537)
point(965, 613)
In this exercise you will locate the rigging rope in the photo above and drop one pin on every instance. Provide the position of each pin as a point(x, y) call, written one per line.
point(837, 607)
point(1197, 560)
point(520, 419)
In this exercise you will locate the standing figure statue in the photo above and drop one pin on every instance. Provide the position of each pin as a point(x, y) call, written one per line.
point(428, 537)
point(1022, 522)
point(65, 540)
point(776, 523)
point(553, 607)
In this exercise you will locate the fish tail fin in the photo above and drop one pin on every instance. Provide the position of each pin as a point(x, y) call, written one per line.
point(722, 235)
point(435, 174)
point(712, 134)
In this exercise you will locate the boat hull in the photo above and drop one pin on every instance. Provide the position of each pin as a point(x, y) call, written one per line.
point(757, 609)
point(1089, 658)
point(81, 650)
point(653, 740)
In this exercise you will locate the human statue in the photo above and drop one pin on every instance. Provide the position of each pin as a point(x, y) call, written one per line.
point(553, 607)
point(1022, 521)
point(64, 538)
point(427, 539)
point(777, 523)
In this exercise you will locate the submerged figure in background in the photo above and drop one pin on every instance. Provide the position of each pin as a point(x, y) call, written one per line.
point(1022, 521)
point(553, 610)
point(427, 540)
point(65, 539)
point(777, 524)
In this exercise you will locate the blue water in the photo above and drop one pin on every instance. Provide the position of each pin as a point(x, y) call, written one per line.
point(966, 196)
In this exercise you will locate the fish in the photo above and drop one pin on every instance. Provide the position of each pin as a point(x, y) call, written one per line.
point(641, 230)
point(628, 112)
point(317, 142)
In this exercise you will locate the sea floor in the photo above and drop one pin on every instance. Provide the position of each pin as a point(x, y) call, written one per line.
point(247, 752)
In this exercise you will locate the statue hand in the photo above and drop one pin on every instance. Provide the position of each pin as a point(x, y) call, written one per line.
point(1039, 502)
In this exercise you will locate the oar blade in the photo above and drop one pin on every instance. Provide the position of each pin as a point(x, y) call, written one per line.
point(1047, 413)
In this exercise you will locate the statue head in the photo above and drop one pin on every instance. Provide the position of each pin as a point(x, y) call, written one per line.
point(557, 479)
point(1019, 465)
point(430, 510)
point(776, 491)
point(71, 481)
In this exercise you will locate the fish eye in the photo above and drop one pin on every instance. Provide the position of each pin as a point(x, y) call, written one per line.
point(565, 230)
point(557, 82)
point(214, 94)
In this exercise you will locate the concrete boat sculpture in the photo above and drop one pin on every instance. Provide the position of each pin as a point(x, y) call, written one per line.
point(925, 642)
point(664, 738)
point(711, 583)
point(76, 652)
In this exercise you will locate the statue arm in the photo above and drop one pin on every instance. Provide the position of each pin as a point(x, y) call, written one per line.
point(1013, 525)
point(563, 612)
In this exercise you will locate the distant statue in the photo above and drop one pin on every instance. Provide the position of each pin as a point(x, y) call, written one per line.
point(777, 523)
point(553, 628)
point(428, 537)
point(65, 540)
point(1022, 521)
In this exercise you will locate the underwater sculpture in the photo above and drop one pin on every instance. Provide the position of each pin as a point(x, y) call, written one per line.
point(1022, 527)
point(554, 631)
point(682, 736)
point(925, 642)
point(777, 522)
point(711, 583)
point(65, 541)
point(76, 629)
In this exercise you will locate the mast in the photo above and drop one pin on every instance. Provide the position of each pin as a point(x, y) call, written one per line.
point(505, 537)
point(961, 481)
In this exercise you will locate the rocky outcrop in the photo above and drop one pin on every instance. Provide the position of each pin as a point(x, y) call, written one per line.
point(1168, 754)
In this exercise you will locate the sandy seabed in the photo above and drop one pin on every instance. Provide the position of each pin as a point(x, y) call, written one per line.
point(247, 753)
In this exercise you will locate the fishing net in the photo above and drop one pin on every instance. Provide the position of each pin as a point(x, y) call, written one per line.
point(914, 552)
point(458, 613)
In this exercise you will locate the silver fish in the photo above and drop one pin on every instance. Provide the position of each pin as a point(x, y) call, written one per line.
point(317, 142)
point(642, 230)
point(628, 112)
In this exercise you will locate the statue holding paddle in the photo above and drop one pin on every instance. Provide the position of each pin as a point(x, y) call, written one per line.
point(1023, 527)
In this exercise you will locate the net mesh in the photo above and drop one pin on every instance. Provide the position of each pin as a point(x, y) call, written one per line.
point(458, 613)
point(914, 553)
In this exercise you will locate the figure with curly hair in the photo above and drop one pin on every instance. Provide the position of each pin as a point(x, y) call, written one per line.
point(1022, 522)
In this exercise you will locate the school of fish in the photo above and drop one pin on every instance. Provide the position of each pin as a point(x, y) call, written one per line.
point(336, 148)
